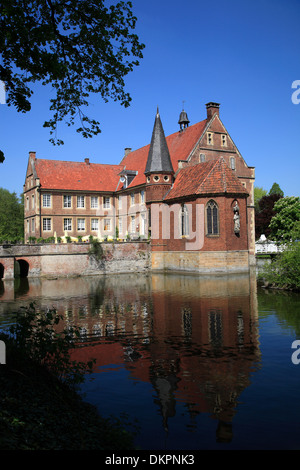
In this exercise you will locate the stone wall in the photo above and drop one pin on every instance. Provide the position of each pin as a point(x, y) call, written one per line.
point(60, 260)
point(210, 262)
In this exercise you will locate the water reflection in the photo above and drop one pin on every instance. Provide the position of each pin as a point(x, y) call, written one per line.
point(194, 339)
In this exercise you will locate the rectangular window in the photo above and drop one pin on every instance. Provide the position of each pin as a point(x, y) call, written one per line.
point(68, 224)
point(94, 202)
point(27, 203)
point(132, 199)
point(132, 224)
point(143, 224)
point(46, 200)
point(224, 140)
point(81, 224)
point(209, 138)
point(67, 201)
point(107, 225)
point(106, 202)
point(47, 224)
point(202, 157)
point(95, 225)
point(32, 200)
point(120, 202)
point(32, 225)
point(142, 197)
point(232, 163)
point(80, 202)
point(120, 225)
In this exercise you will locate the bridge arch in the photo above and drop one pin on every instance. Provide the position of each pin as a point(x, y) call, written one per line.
point(1, 271)
point(21, 268)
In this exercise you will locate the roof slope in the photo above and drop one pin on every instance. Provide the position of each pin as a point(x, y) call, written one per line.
point(158, 157)
point(180, 145)
point(212, 177)
point(56, 174)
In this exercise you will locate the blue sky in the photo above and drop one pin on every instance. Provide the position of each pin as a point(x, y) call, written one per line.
point(241, 54)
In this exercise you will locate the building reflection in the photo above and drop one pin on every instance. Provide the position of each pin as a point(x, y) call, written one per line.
point(195, 339)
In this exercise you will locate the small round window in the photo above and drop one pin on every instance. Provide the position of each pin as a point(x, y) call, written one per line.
point(148, 179)
point(166, 178)
point(156, 178)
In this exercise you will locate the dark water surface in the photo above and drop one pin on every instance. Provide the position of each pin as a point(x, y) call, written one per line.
point(188, 362)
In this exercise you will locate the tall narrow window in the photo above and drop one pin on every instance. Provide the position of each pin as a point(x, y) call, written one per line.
point(106, 202)
point(132, 224)
point(184, 220)
point(209, 138)
point(232, 163)
point(224, 140)
point(212, 218)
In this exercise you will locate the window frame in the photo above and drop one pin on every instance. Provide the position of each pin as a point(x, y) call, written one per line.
point(46, 196)
point(209, 219)
point(45, 229)
point(69, 201)
point(71, 223)
point(79, 220)
point(80, 197)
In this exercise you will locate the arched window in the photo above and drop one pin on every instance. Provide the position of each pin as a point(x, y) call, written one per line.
point(212, 218)
point(184, 220)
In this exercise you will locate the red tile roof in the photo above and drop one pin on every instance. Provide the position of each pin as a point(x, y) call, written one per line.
point(56, 174)
point(212, 177)
point(180, 145)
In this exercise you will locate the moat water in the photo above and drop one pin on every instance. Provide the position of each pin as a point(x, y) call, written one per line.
point(187, 362)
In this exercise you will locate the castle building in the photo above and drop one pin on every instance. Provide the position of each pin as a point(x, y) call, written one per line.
point(190, 193)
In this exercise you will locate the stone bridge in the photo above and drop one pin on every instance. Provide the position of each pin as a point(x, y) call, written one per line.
point(71, 259)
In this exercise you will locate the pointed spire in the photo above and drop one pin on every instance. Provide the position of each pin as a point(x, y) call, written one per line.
point(159, 160)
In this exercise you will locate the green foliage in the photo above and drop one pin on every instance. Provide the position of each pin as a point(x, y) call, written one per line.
point(78, 47)
point(96, 250)
point(258, 194)
point(287, 214)
point(37, 337)
point(11, 217)
point(284, 271)
point(276, 190)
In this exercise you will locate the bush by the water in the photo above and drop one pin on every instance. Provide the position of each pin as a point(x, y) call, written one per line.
point(284, 271)
point(40, 408)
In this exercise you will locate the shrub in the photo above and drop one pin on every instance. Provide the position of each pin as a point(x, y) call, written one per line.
point(284, 271)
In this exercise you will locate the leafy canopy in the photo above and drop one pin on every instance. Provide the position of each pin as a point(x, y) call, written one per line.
point(11, 217)
point(79, 47)
point(286, 218)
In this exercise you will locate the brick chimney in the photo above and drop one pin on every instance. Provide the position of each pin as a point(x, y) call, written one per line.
point(211, 109)
point(127, 150)
point(87, 161)
point(32, 155)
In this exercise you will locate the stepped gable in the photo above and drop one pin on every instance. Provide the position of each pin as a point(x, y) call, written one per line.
point(212, 177)
point(82, 176)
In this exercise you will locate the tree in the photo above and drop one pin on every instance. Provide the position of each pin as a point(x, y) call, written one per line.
point(264, 214)
point(286, 219)
point(11, 217)
point(80, 47)
point(259, 192)
point(276, 190)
